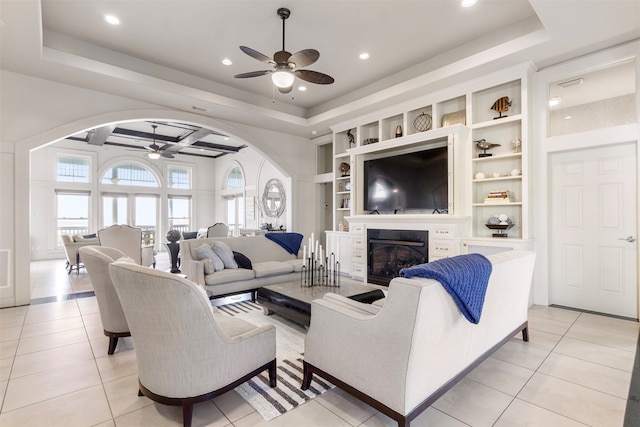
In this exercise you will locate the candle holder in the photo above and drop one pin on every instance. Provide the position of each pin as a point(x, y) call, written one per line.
point(314, 272)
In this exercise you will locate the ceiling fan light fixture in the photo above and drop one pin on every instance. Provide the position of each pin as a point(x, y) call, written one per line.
point(282, 79)
point(154, 155)
point(286, 66)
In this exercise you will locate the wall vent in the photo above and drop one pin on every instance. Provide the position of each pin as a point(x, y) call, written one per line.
point(4, 268)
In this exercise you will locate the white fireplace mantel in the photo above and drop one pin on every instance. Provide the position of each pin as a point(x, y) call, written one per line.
point(408, 221)
point(445, 234)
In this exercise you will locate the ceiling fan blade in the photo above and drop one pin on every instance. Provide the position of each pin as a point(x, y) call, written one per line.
point(253, 74)
point(304, 57)
point(167, 155)
point(314, 77)
point(257, 55)
point(282, 56)
point(285, 89)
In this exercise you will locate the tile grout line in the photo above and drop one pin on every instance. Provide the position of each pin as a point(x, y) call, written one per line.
point(95, 361)
point(13, 362)
point(536, 371)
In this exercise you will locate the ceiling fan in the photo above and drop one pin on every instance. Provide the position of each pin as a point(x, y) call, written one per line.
point(287, 65)
point(155, 151)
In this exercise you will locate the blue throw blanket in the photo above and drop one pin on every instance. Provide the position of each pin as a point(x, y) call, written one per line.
point(465, 277)
point(289, 241)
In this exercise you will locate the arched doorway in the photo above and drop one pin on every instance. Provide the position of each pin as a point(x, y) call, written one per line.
point(18, 291)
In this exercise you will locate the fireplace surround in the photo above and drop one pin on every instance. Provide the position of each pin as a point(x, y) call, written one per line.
point(389, 251)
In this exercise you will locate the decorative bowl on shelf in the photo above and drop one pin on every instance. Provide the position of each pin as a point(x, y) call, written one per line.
point(500, 228)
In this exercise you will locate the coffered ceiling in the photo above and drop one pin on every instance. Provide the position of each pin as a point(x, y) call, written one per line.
point(170, 52)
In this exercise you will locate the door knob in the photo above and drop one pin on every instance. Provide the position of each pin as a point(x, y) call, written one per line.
point(629, 239)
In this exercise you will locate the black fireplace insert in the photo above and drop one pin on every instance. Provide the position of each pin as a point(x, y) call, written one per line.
point(389, 251)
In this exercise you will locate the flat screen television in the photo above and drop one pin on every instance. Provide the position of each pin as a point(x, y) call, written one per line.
point(416, 181)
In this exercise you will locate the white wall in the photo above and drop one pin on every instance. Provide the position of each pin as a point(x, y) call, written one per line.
point(257, 171)
point(35, 112)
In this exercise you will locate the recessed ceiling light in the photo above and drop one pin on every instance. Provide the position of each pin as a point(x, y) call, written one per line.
point(302, 88)
point(364, 56)
point(227, 61)
point(468, 3)
point(568, 117)
point(112, 19)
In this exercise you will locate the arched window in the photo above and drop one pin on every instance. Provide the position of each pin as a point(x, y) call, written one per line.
point(235, 200)
point(235, 178)
point(130, 173)
point(125, 200)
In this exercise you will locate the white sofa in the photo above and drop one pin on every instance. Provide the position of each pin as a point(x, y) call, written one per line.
point(271, 263)
point(400, 357)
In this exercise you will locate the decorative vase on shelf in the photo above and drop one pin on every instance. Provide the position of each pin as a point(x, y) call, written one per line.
point(398, 131)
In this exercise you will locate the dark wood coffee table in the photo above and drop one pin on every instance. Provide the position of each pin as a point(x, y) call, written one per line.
point(293, 302)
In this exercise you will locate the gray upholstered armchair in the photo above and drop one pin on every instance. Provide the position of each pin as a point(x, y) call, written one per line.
point(114, 323)
point(129, 240)
point(185, 353)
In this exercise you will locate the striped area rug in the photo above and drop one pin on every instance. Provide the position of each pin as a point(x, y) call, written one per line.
point(273, 402)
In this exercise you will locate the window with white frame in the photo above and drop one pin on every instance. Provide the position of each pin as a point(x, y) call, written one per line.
point(235, 200)
point(179, 177)
point(130, 174)
point(73, 168)
point(235, 178)
point(130, 195)
point(72, 216)
point(179, 212)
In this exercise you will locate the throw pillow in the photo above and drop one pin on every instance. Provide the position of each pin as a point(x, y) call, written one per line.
point(127, 260)
point(205, 252)
point(242, 260)
point(188, 235)
point(224, 252)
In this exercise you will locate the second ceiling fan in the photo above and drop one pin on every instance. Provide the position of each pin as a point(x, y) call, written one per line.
point(287, 65)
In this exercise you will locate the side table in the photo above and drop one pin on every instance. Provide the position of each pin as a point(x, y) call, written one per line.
point(174, 250)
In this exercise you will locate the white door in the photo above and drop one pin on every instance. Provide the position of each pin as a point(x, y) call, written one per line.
point(593, 249)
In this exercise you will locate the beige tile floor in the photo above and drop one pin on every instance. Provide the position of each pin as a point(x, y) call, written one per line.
point(54, 371)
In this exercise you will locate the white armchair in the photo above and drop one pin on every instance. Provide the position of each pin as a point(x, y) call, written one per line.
point(185, 353)
point(129, 240)
point(71, 247)
point(218, 230)
point(401, 357)
point(96, 260)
